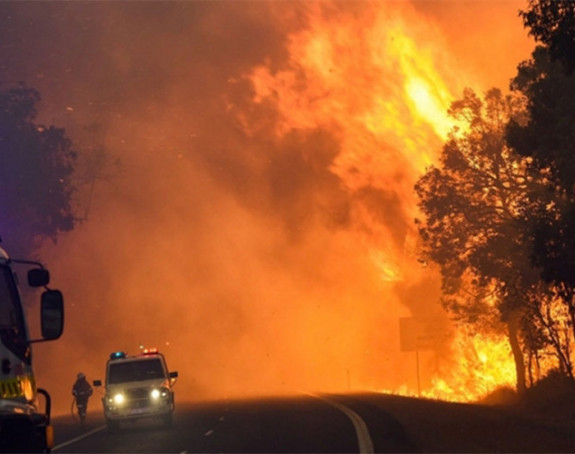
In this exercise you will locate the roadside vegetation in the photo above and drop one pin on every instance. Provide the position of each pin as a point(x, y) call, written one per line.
point(36, 167)
point(499, 208)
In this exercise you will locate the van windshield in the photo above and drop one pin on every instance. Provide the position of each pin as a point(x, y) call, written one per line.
point(127, 371)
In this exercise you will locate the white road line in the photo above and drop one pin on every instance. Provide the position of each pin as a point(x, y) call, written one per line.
point(74, 440)
point(361, 430)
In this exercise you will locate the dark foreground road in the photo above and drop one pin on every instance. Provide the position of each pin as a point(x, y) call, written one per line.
point(328, 423)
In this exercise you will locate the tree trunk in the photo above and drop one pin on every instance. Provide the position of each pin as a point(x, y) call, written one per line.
point(513, 333)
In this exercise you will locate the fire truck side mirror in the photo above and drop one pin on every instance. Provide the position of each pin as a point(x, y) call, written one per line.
point(52, 314)
point(38, 277)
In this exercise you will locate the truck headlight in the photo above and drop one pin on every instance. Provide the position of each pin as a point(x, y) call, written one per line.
point(119, 399)
point(155, 394)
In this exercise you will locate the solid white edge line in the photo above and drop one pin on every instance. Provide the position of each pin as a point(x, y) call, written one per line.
point(363, 438)
point(74, 440)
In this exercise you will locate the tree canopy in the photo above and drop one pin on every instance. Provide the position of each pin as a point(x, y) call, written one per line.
point(36, 164)
point(500, 207)
point(475, 212)
point(552, 23)
point(547, 82)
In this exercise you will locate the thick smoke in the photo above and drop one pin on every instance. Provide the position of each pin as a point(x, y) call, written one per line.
point(234, 250)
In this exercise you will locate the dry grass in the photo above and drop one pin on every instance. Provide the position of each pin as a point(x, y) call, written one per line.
point(552, 398)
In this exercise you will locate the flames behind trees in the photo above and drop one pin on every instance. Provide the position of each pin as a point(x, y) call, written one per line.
point(499, 209)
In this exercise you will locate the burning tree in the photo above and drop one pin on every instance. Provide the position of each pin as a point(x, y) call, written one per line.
point(476, 211)
point(35, 173)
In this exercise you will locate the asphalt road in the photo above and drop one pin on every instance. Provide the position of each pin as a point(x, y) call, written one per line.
point(323, 424)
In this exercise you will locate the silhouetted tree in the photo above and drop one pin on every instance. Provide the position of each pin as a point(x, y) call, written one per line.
point(36, 163)
point(552, 23)
point(476, 210)
point(547, 82)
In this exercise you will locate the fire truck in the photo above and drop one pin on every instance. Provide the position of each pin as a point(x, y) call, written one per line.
point(24, 408)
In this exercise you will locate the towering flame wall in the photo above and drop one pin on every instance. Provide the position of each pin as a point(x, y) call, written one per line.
point(247, 183)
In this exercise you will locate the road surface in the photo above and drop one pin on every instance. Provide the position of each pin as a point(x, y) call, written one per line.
point(361, 423)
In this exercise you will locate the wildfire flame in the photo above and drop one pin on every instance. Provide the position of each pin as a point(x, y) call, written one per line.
point(381, 89)
point(379, 79)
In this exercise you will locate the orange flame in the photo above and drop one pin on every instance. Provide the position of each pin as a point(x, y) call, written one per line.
point(380, 80)
point(381, 89)
point(485, 363)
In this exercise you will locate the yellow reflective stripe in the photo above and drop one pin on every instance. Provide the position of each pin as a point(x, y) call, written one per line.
point(10, 388)
point(17, 387)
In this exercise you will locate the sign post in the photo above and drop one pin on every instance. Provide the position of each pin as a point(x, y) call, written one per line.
point(417, 334)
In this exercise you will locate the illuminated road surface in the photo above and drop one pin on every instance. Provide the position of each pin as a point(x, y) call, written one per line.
point(331, 424)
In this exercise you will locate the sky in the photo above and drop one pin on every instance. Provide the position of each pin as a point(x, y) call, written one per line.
point(245, 181)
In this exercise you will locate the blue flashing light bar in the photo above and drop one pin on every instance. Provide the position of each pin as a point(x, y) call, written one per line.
point(118, 355)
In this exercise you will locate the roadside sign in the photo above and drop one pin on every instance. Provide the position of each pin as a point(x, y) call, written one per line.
point(419, 333)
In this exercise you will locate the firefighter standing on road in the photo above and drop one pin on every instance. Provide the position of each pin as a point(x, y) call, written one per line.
point(82, 392)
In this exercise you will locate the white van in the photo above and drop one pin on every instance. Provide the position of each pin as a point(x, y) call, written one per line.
point(138, 387)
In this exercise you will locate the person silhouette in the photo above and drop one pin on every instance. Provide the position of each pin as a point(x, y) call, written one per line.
point(82, 390)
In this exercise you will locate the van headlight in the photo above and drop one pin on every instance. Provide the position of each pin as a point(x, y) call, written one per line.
point(155, 394)
point(118, 398)
point(159, 393)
